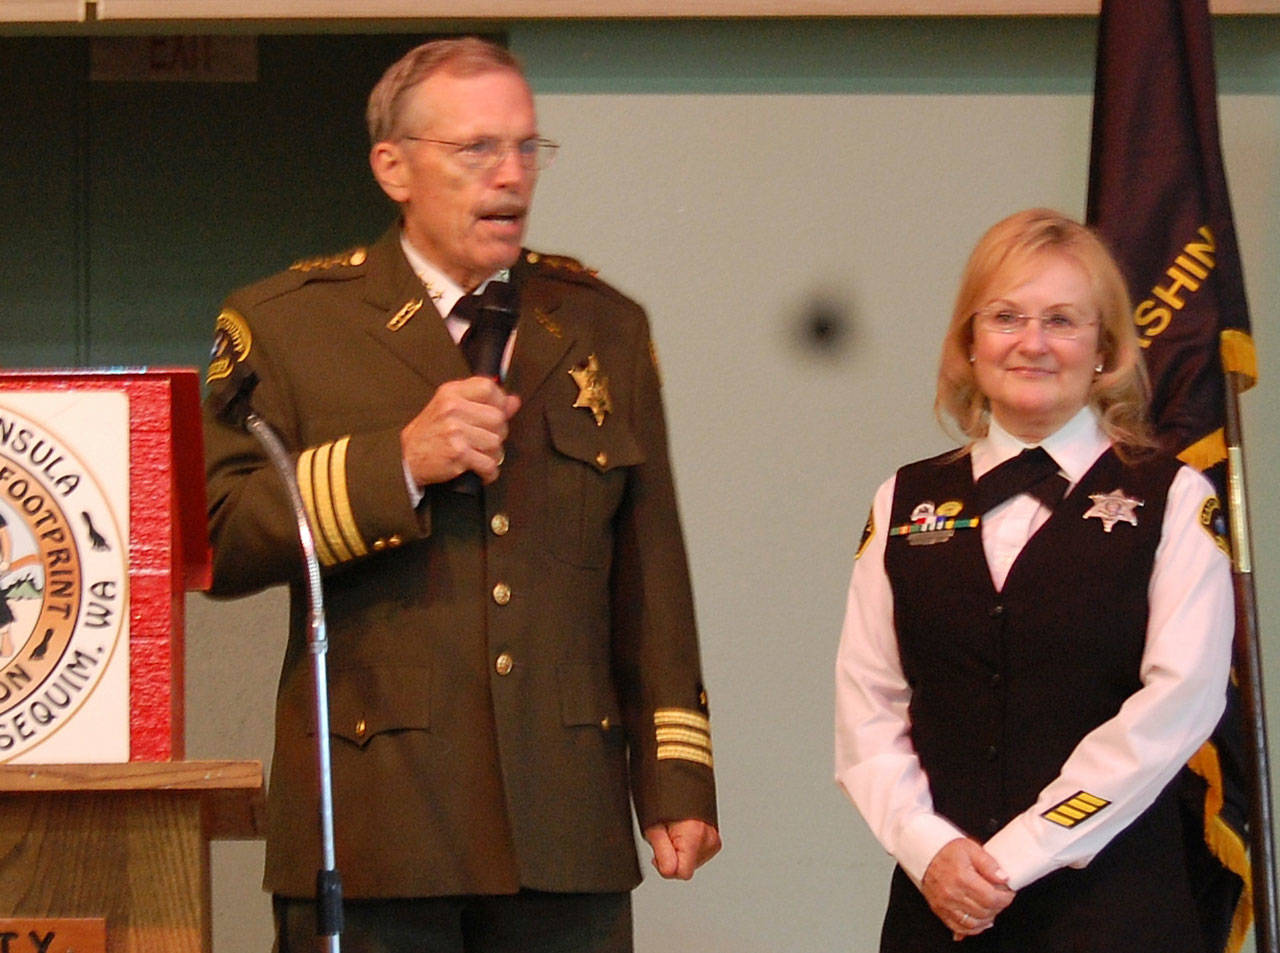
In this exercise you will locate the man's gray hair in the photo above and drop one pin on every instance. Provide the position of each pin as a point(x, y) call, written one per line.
point(463, 56)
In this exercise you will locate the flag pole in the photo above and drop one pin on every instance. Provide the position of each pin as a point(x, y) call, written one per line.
point(1249, 660)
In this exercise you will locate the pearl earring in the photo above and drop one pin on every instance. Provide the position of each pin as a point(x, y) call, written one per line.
point(1098, 368)
point(972, 358)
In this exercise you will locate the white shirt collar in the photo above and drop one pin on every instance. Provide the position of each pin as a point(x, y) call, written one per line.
point(443, 290)
point(1075, 446)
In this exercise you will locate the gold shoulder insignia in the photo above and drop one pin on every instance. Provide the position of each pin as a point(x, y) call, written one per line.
point(1076, 809)
point(355, 256)
point(231, 344)
point(1214, 523)
point(561, 262)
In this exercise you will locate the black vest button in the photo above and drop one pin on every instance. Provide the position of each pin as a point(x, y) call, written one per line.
point(992, 752)
point(996, 611)
point(992, 825)
point(996, 679)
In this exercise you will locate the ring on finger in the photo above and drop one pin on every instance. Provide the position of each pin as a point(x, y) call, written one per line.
point(965, 918)
point(502, 456)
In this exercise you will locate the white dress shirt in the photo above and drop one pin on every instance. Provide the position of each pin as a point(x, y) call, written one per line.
point(444, 293)
point(1128, 759)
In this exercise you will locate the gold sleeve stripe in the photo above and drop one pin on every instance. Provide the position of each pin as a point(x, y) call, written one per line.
point(323, 552)
point(686, 736)
point(342, 499)
point(673, 752)
point(682, 716)
point(324, 503)
point(1078, 808)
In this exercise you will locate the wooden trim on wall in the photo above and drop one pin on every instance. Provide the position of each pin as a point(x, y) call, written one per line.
point(594, 9)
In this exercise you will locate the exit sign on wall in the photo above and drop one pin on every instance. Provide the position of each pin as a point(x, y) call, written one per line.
point(174, 59)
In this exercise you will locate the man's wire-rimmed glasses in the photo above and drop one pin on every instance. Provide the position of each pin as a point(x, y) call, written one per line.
point(486, 153)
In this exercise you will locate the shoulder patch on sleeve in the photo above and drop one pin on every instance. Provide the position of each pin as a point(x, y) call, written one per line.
point(868, 533)
point(1214, 522)
point(1076, 809)
point(232, 342)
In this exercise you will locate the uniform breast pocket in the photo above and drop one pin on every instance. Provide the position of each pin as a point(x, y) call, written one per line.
point(587, 474)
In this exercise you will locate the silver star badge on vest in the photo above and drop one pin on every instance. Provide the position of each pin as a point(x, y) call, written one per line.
point(1113, 507)
point(593, 389)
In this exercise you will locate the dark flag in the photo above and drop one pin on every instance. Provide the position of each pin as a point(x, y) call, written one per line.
point(1158, 195)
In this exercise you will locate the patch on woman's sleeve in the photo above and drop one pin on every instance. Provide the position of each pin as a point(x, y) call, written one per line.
point(868, 532)
point(1076, 809)
point(1214, 522)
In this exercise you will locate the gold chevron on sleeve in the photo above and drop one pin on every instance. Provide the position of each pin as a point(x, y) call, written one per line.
point(342, 498)
point(325, 515)
point(1078, 808)
point(305, 486)
point(322, 477)
point(683, 734)
point(682, 716)
point(685, 753)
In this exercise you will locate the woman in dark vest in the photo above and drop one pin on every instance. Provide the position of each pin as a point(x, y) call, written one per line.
point(1038, 630)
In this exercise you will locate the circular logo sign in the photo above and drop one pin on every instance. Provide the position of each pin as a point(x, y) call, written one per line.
point(63, 584)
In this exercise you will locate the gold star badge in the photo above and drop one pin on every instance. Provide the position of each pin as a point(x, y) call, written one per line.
point(1113, 507)
point(593, 389)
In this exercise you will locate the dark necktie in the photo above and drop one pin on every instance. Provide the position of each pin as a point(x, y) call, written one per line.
point(492, 314)
point(1032, 471)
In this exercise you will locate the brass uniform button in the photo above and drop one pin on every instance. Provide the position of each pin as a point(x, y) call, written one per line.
point(503, 664)
point(502, 593)
point(602, 459)
point(394, 541)
point(500, 524)
point(378, 545)
point(357, 257)
point(604, 722)
point(532, 257)
point(361, 728)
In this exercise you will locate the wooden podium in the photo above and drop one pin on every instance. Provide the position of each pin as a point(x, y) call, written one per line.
point(123, 844)
point(105, 856)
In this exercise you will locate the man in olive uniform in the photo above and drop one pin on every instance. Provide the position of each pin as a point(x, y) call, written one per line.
point(512, 654)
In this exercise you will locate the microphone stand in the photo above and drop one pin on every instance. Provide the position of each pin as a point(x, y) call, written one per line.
point(235, 408)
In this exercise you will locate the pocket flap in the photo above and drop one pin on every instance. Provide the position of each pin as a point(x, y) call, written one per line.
point(587, 696)
point(602, 448)
point(365, 701)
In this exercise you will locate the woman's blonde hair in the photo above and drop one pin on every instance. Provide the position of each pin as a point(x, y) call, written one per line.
point(1004, 256)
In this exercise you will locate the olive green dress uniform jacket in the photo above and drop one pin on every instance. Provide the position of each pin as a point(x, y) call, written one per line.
point(508, 673)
